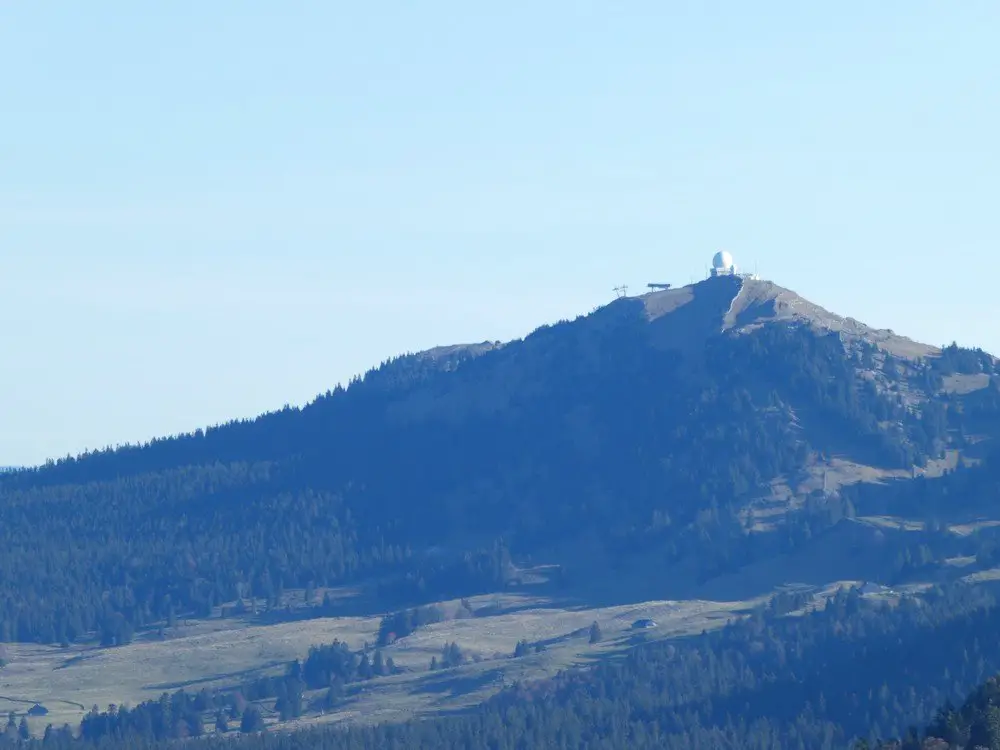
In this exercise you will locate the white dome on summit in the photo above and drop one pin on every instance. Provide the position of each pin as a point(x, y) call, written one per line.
point(722, 261)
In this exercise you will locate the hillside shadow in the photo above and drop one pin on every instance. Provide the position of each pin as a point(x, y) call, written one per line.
point(701, 315)
point(180, 685)
point(450, 683)
point(848, 551)
point(835, 436)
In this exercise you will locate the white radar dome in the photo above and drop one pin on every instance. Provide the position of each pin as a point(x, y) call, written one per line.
point(722, 261)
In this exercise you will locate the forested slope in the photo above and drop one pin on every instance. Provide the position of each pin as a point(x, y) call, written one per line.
point(636, 434)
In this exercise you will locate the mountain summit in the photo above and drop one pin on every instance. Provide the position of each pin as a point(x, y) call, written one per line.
point(662, 428)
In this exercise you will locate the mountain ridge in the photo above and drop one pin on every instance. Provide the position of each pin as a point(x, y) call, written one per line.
point(684, 453)
point(721, 305)
point(452, 383)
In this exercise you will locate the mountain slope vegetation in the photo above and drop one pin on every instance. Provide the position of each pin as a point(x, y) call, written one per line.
point(644, 428)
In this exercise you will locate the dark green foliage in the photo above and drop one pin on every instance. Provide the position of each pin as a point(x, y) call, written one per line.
point(326, 664)
point(171, 717)
point(973, 726)
point(451, 656)
point(401, 624)
point(595, 635)
point(956, 359)
point(252, 721)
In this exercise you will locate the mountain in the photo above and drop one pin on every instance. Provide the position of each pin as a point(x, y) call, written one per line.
point(767, 510)
point(686, 427)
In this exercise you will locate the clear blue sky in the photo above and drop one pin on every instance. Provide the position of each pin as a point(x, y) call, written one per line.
point(209, 209)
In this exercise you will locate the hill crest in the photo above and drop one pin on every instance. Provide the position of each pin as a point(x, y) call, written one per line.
point(751, 303)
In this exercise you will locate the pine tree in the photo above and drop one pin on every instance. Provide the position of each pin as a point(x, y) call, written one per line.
point(595, 632)
point(252, 720)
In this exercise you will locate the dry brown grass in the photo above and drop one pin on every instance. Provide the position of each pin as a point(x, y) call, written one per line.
point(222, 653)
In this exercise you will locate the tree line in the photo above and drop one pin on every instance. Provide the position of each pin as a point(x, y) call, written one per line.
point(853, 671)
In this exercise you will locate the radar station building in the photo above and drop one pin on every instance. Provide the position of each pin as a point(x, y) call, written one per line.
point(723, 264)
